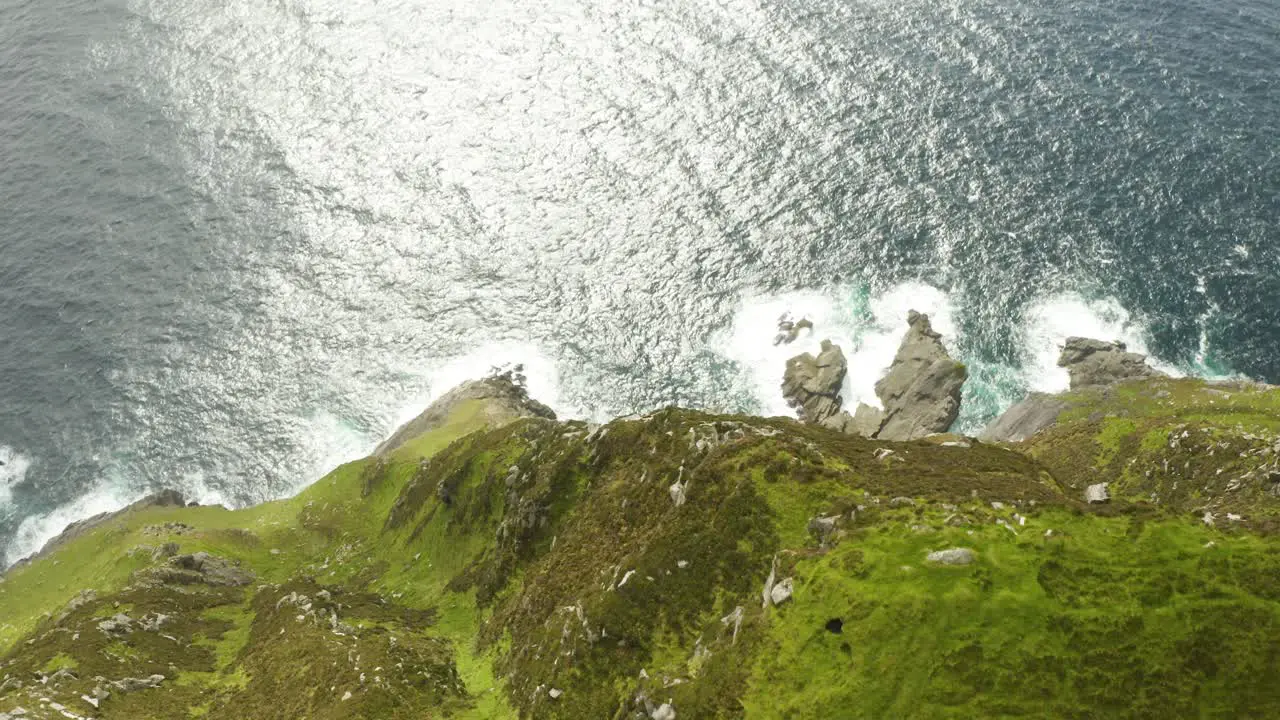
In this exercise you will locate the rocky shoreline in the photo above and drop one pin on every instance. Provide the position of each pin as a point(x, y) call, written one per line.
point(920, 392)
point(492, 561)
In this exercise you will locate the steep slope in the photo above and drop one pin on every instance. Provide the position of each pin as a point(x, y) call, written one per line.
point(684, 565)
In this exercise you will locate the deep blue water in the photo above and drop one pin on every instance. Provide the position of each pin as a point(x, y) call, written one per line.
point(239, 241)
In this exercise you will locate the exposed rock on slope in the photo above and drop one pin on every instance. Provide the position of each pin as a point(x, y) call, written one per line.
point(1034, 413)
point(812, 384)
point(1094, 362)
point(921, 392)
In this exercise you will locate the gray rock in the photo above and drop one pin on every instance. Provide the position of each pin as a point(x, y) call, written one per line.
point(952, 556)
point(840, 422)
point(866, 421)
point(811, 384)
point(921, 392)
point(131, 684)
point(823, 527)
point(1034, 413)
point(117, 624)
point(677, 493)
point(1094, 362)
point(198, 569)
point(60, 676)
point(1097, 494)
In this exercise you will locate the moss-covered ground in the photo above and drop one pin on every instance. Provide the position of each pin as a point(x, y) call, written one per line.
point(559, 570)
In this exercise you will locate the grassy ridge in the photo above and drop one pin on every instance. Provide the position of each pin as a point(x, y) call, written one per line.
point(543, 569)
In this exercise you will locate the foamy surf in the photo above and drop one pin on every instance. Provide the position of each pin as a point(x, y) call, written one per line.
point(13, 468)
point(867, 327)
point(36, 530)
point(1049, 321)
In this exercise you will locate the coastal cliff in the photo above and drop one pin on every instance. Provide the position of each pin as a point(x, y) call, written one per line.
point(1108, 552)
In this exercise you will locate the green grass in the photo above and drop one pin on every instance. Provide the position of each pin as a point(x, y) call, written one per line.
point(464, 588)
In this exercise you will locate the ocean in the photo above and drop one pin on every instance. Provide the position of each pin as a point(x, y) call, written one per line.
point(241, 241)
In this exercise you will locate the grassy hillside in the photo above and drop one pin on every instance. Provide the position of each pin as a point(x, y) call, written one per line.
point(544, 569)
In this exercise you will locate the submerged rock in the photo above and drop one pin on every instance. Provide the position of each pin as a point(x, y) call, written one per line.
point(789, 330)
point(811, 384)
point(1095, 362)
point(921, 392)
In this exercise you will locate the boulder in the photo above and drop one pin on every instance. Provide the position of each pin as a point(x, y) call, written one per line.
point(504, 398)
point(1095, 362)
point(782, 591)
point(811, 384)
point(1034, 413)
point(1097, 494)
point(921, 392)
point(951, 556)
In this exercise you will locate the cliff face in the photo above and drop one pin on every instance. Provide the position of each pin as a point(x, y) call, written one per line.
point(694, 566)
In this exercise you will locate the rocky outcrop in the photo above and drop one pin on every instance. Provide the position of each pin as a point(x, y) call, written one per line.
point(921, 392)
point(503, 398)
point(811, 384)
point(1095, 362)
point(1036, 412)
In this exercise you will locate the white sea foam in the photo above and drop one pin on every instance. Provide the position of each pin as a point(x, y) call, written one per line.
point(1053, 319)
point(36, 530)
point(868, 328)
point(13, 468)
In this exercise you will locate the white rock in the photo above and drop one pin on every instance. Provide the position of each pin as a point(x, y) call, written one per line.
point(781, 592)
point(1207, 519)
point(664, 712)
point(682, 564)
point(555, 693)
point(1096, 494)
point(677, 493)
point(951, 556)
point(346, 696)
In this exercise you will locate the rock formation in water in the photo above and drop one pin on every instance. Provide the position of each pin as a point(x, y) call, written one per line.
point(811, 384)
point(1095, 362)
point(921, 392)
point(1089, 363)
